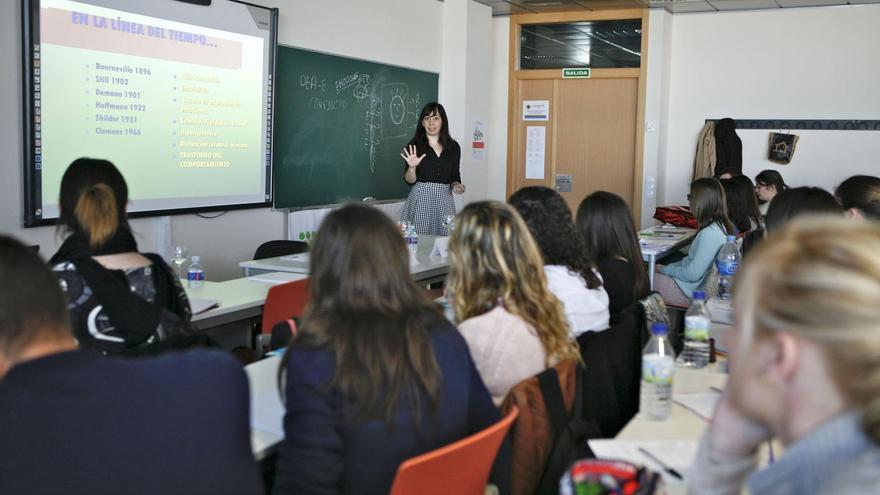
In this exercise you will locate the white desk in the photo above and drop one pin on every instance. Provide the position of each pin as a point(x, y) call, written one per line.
point(267, 410)
point(428, 270)
point(658, 241)
point(240, 303)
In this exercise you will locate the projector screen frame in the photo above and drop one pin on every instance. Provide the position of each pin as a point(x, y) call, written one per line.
point(31, 178)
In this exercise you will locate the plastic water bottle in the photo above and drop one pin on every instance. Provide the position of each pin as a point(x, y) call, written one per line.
point(727, 261)
point(658, 368)
point(412, 239)
point(195, 276)
point(697, 323)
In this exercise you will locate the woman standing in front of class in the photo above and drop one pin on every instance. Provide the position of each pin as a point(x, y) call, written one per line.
point(432, 167)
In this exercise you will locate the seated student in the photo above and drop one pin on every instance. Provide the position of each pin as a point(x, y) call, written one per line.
point(804, 367)
point(611, 239)
point(860, 196)
point(119, 300)
point(376, 374)
point(74, 421)
point(788, 205)
point(742, 204)
point(571, 275)
point(514, 326)
point(768, 184)
point(676, 282)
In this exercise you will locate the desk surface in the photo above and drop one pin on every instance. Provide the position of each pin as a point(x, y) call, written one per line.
point(659, 240)
point(233, 295)
point(428, 268)
point(267, 410)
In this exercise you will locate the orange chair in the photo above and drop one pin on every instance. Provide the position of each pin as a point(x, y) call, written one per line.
point(461, 468)
point(282, 302)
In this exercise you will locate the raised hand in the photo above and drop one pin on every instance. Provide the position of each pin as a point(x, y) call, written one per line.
point(412, 159)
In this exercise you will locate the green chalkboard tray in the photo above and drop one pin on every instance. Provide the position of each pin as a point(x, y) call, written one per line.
point(340, 125)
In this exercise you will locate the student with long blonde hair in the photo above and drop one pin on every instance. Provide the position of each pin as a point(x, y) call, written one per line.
point(514, 326)
point(804, 366)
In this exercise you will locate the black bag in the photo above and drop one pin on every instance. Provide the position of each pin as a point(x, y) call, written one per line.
point(570, 432)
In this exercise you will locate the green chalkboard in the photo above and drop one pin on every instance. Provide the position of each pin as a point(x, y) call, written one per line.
point(340, 125)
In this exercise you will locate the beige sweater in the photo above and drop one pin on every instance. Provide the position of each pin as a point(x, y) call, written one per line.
point(505, 349)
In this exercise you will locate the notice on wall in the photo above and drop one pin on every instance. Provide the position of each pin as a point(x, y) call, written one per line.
point(535, 146)
point(536, 110)
point(478, 145)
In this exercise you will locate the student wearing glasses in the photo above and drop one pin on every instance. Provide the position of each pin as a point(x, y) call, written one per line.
point(768, 184)
point(432, 167)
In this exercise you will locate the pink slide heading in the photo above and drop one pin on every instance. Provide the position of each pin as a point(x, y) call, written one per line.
point(116, 35)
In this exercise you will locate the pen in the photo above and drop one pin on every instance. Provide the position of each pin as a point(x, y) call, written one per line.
point(662, 464)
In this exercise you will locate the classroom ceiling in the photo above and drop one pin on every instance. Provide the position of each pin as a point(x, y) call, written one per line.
point(509, 7)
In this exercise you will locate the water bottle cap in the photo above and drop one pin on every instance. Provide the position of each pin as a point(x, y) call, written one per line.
point(195, 259)
point(731, 238)
point(659, 329)
point(698, 294)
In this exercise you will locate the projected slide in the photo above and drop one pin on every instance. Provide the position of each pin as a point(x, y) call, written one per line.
point(182, 110)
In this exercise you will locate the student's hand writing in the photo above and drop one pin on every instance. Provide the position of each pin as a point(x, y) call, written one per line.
point(412, 159)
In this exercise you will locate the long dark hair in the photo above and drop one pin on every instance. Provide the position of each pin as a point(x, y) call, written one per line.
point(92, 199)
point(742, 203)
point(420, 138)
point(607, 225)
point(709, 205)
point(797, 202)
point(368, 312)
point(771, 178)
point(861, 192)
point(549, 221)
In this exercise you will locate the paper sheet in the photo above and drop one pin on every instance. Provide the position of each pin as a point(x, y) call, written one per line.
point(677, 454)
point(275, 277)
point(440, 247)
point(535, 146)
point(296, 257)
point(201, 305)
point(701, 404)
point(267, 412)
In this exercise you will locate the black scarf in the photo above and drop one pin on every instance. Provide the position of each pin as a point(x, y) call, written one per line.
point(134, 317)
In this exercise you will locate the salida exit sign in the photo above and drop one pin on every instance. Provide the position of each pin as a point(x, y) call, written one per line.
point(575, 73)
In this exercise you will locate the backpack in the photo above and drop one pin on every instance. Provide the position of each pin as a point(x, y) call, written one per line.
point(570, 432)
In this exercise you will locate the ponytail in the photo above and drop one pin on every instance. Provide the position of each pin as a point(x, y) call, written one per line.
point(97, 214)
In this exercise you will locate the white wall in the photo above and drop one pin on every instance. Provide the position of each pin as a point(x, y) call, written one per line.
point(813, 63)
point(656, 98)
point(496, 142)
point(400, 32)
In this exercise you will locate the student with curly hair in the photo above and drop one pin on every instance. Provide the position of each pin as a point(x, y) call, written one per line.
point(571, 274)
point(514, 326)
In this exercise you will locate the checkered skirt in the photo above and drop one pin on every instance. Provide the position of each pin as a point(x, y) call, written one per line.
point(426, 207)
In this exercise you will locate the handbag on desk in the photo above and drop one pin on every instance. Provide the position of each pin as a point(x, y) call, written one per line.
point(680, 216)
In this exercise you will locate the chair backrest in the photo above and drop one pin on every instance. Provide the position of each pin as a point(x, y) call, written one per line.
point(613, 359)
point(462, 467)
point(284, 301)
point(271, 249)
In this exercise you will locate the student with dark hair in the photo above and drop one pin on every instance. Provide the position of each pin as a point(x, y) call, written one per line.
point(432, 167)
point(860, 196)
point(768, 184)
point(790, 204)
point(376, 374)
point(571, 274)
point(676, 282)
point(608, 229)
point(120, 300)
point(74, 421)
point(742, 204)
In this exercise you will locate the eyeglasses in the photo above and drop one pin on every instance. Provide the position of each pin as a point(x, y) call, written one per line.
point(432, 118)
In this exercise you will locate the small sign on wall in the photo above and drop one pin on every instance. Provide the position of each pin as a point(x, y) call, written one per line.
point(576, 73)
point(534, 110)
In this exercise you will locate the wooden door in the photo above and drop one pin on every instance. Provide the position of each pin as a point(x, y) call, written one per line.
point(596, 136)
point(594, 132)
